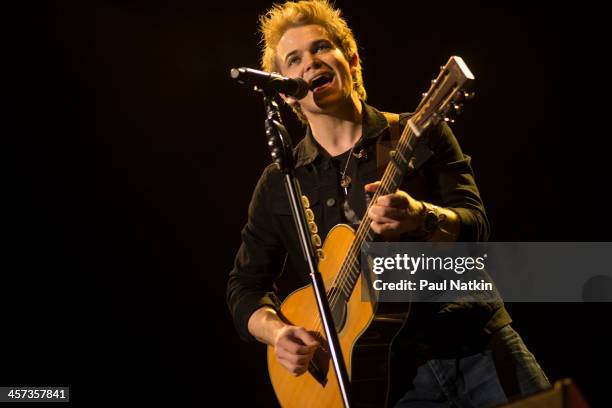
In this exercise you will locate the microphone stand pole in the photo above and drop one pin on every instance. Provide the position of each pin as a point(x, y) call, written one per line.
point(281, 150)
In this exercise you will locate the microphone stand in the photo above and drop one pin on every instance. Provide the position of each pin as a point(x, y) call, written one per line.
point(281, 150)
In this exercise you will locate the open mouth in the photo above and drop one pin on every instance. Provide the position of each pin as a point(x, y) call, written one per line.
point(321, 81)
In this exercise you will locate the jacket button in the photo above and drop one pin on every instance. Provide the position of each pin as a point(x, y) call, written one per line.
point(330, 202)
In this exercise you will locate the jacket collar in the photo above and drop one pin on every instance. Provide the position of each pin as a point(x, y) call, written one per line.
point(374, 123)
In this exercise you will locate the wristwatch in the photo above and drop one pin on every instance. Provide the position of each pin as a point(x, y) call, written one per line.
point(430, 220)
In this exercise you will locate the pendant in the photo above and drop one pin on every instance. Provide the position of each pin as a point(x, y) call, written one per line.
point(345, 182)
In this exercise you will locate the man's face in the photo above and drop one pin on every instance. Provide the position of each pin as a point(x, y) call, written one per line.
point(309, 53)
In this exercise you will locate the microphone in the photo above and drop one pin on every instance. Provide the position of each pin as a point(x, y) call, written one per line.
point(271, 82)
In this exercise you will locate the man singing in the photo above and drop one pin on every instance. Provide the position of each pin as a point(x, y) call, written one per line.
point(461, 354)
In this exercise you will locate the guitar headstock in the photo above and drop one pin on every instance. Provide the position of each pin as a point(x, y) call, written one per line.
point(445, 96)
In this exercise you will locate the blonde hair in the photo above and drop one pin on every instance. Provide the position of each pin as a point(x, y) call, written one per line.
point(282, 17)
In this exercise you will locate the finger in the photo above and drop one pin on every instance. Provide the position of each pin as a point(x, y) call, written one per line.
point(376, 227)
point(302, 355)
point(307, 338)
point(379, 219)
point(389, 227)
point(300, 370)
point(294, 346)
point(372, 187)
point(292, 368)
point(393, 200)
point(291, 360)
point(284, 354)
point(298, 341)
point(384, 227)
point(297, 360)
point(387, 214)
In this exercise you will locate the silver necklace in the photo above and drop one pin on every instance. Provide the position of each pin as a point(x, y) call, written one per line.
point(345, 180)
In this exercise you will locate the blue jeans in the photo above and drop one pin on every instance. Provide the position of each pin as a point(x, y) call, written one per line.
point(473, 381)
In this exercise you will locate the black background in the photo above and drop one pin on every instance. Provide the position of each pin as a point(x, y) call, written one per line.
point(132, 157)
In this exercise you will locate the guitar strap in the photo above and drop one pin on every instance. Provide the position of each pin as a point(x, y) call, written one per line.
point(384, 147)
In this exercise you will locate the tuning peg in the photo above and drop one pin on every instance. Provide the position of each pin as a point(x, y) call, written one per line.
point(458, 108)
point(449, 120)
point(424, 94)
point(434, 81)
point(468, 95)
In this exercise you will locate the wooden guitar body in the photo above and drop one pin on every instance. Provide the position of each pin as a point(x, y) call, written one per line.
point(364, 336)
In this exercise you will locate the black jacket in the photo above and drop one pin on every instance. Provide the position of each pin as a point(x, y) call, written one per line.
point(441, 175)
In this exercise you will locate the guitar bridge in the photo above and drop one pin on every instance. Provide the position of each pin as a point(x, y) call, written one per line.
point(319, 365)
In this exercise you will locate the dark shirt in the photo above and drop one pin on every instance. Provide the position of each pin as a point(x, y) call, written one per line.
point(441, 175)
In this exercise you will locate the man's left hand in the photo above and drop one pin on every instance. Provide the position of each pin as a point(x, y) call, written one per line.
point(394, 214)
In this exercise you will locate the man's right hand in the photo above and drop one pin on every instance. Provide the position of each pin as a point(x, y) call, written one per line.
point(293, 345)
point(294, 348)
